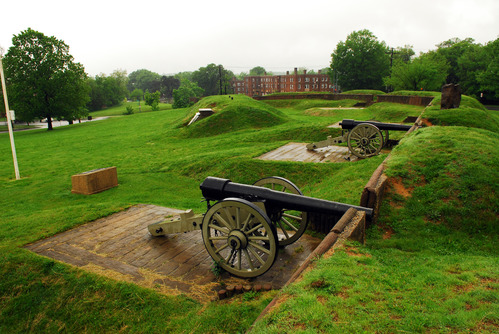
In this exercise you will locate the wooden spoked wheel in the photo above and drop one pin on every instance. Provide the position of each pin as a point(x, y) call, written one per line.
point(365, 140)
point(240, 237)
point(290, 224)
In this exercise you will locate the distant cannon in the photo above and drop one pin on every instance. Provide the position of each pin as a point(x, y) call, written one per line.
point(364, 138)
point(243, 229)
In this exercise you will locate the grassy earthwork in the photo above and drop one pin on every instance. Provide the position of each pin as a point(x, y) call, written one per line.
point(429, 265)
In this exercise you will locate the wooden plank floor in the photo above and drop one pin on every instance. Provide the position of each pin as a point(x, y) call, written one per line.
point(120, 247)
point(299, 152)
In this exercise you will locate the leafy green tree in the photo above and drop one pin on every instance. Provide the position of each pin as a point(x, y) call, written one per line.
point(361, 62)
point(470, 66)
point(43, 79)
point(145, 80)
point(257, 70)
point(402, 53)
point(168, 84)
point(185, 95)
point(489, 79)
point(213, 79)
point(452, 50)
point(107, 91)
point(425, 72)
point(152, 99)
point(137, 94)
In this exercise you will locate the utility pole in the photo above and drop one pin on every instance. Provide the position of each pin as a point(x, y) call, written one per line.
point(9, 113)
point(220, 77)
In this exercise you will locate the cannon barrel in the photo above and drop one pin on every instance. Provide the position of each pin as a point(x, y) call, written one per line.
point(214, 188)
point(348, 124)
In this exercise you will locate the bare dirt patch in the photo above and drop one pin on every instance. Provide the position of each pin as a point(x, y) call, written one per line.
point(426, 122)
point(399, 187)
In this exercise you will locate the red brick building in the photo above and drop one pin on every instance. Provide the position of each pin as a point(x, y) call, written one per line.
point(297, 82)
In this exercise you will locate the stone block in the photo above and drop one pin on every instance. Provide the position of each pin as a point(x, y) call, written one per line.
point(94, 181)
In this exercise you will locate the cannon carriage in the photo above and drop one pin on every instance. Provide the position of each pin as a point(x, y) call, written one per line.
point(364, 138)
point(243, 230)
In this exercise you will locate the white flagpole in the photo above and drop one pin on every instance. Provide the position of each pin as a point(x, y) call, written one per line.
point(8, 112)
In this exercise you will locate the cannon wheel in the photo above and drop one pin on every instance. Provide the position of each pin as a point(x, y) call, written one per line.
point(240, 237)
point(365, 140)
point(292, 224)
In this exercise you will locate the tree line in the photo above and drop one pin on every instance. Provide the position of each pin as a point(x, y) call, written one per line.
point(364, 62)
point(44, 82)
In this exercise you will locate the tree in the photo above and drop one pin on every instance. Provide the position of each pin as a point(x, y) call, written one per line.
point(425, 72)
point(258, 70)
point(152, 99)
point(360, 62)
point(452, 50)
point(137, 94)
point(107, 91)
point(44, 81)
point(145, 80)
point(489, 79)
point(470, 66)
point(213, 79)
point(168, 84)
point(185, 95)
point(403, 54)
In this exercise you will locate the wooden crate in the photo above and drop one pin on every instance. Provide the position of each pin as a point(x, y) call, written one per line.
point(94, 181)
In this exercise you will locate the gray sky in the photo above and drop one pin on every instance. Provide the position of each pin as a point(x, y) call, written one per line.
point(168, 37)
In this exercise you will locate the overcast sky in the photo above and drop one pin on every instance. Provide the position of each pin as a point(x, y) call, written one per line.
point(168, 37)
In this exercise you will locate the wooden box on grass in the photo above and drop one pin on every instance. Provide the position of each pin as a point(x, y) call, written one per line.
point(94, 181)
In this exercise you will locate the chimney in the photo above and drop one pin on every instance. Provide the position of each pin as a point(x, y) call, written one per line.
point(287, 72)
point(318, 71)
point(304, 71)
point(296, 70)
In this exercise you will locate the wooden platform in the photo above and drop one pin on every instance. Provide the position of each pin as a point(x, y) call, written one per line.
point(299, 152)
point(120, 247)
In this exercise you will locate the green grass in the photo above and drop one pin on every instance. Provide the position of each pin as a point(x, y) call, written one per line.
point(119, 110)
point(156, 164)
point(16, 127)
point(365, 91)
point(470, 114)
point(436, 273)
point(430, 264)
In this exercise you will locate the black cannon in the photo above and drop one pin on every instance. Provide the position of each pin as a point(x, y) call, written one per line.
point(244, 227)
point(364, 138)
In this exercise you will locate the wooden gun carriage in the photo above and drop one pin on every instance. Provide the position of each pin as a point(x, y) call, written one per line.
point(364, 138)
point(244, 227)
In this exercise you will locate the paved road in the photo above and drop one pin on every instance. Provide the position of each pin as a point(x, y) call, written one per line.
point(40, 125)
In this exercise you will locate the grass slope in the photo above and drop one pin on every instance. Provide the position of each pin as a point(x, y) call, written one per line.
point(421, 270)
point(430, 264)
point(231, 113)
point(154, 166)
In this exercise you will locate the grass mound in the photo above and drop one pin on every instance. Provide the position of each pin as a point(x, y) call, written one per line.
point(311, 103)
point(365, 91)
point(415, 93)
point(232, 113)
point(451, 174)
point(470, 113)
point(393, 112)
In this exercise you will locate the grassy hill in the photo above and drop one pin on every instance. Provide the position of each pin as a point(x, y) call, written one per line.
point(430, 265)
point(231, 113)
